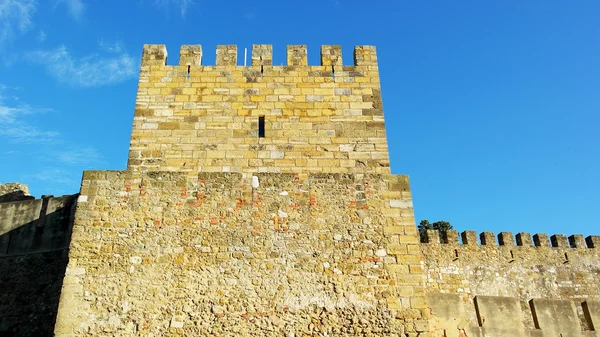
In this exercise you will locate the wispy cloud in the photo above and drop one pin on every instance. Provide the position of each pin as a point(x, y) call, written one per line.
point(89, 71)
point(58, 181)
point(15, 18)
point(42, 36)
point(55, 162)
point(115, 47)
point(182, 5)
point(75, 8)
point(78, 156)
point(14, 124)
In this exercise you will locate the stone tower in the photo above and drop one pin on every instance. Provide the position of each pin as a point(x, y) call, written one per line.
point(257, 201)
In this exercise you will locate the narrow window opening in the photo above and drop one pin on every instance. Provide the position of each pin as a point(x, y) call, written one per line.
point(261, 127)
point(262, 70)
point(189, 70)
point(332, 71)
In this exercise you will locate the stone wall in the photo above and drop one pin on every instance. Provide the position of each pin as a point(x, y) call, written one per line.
point(194, 118)
point(34, 241)
point(531, 272)
point(230, 254)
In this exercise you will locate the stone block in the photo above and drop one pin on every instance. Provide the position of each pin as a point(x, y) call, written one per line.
point(500, 316)
point(556, 317)
point(591, 311)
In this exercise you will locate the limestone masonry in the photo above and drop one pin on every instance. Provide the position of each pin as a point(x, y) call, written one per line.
point(258, 201)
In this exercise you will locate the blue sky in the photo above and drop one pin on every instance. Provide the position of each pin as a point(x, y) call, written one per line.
point(492, 107)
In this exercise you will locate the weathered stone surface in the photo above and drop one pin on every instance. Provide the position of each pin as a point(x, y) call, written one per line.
point(232, 254)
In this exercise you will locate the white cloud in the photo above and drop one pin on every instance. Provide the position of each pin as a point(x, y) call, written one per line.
point(56, 178)
point(90, 71)
point(181, 4)
point(116, 47)
point(74, 7)
point(42, 36)
point(15, 18)
point(78, 156)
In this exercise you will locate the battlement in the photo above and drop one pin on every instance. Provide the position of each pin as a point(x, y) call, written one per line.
point(259, 118)
point(262, 55)
point(522, 239)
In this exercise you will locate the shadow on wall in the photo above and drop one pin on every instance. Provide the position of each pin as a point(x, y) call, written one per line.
point(15, 196)
point(34, 241)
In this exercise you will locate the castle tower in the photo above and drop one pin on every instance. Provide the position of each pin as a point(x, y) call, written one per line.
point(259, 118)
point(257, 201)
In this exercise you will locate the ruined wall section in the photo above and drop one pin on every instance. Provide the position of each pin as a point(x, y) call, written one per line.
point(231, 254)
point(524, 268)
point(14, 192)
point(196, 118)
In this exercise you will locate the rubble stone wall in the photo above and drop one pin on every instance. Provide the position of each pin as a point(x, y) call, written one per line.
point(231, 254)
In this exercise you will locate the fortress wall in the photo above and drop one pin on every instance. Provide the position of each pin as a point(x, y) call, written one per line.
point(36, 226)
point(191, 117)
point(560, 269)
point(34, 243)
point(230, 254)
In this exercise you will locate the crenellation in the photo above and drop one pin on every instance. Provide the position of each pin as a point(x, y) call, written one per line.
point(190, 55)
point(524, 239)
point(506, 239)
point(154, 55)
point(541, 240)
point(559, 240)
point(488, 239)
point(262, 55)
point(577, 241)
point(297, 55)
point(469, 238)
point(450, 237)
point(226, 55)
point(432, 236)
point(365, 56)
point(593, 241)
point(331, 56)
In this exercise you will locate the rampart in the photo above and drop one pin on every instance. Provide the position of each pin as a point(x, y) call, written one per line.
point(193, 118)
point(34, 241)
point(556, 278)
